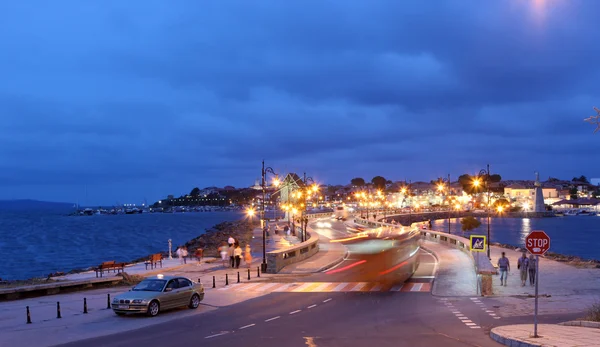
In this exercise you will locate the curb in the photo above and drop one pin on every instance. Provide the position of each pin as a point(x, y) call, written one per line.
point(582, 323)
point(511, 342)
point(434, 286)
point(333, 263)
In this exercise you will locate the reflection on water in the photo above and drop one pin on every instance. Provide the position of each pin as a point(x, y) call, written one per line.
point(575, 235)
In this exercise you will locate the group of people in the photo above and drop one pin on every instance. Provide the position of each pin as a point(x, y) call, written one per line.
point(525, 265)
point(233, 250)
point(182, 253)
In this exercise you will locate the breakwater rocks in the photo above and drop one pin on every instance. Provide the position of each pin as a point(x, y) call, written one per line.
point(568, 259)
point(211, 240)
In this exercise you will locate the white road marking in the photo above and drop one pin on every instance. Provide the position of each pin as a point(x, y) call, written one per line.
point(455, 312)
point(435, 267)
point(339, 287)
point(302, 287)
point(416, 287)
point(294, 312)
point(492, 314)
point(215, 335)
point(496, 317)
point(376, 288)
point(311, 306)
point(358, 287)
point(470, 324)
point(397, 288)
point(270, 319)
point(247, 326)
point(326, 300)
point(252, 285)
point(321, 287)
point(467, 321)
point(475, 327)
point(284, 287)
point(423, 277)
point(267, 286)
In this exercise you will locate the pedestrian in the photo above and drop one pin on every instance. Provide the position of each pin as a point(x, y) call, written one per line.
point(223, 250)
point(231, 254)
point(179, 253)
point(237, 253)
point(523, 265)
point(532, 268)
point(248, 255)
point(184, 254)
point(199, 255)
point(504, 266)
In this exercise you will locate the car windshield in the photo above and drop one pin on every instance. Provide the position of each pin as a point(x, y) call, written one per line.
point(150, 285)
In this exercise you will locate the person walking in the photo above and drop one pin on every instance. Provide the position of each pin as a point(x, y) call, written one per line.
point(237, 253)
point(248, 255)
point(224, 251)
point(523, 265)
point(532, 268)
point(230, 251)
point(199, 255)
point(504, 266)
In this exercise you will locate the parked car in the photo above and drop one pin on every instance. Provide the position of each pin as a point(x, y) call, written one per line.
point(159, 293)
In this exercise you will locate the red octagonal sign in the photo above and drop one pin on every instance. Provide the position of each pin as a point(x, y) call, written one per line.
point(537, 242)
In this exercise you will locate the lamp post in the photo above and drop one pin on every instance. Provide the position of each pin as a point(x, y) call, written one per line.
point(304, 218)
point(264, 172)
point(441, 188)
point(486, 174)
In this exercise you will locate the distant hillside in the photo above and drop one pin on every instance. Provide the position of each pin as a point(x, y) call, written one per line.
point(30, 205)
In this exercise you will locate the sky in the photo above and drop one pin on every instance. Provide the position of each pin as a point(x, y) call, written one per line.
point(106, 102)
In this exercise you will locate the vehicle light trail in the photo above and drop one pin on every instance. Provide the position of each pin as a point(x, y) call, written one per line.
point(346, 267)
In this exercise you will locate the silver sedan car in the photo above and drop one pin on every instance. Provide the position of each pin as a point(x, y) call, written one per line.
point(158, 293)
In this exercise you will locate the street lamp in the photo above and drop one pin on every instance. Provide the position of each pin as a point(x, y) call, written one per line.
point(441, 187)
point(477, 183)
point(264, 172)
point(309, 190)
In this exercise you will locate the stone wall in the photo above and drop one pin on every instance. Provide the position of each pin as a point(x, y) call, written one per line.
point(277, 260)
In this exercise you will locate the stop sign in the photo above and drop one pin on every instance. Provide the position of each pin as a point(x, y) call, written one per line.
point(537, 242)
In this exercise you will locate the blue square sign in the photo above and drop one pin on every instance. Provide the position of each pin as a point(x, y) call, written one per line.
point(478, 243)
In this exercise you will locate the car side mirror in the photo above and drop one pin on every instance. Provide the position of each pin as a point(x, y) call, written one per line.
point(168, 289)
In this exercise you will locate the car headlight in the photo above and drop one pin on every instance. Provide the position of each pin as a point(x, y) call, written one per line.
point(138, 301)
point(115, 300)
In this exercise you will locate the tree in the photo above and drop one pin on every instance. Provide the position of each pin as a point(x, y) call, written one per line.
point(379, 182)
point(495, 178)
point(195, 192)
point(358, 182)
point(501, 202)
point(466, 182)
point(469, 223)
point(581, 178)
point(574, 193)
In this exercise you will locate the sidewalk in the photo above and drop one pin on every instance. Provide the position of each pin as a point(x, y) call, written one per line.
point(550, 335)
point(455, 275)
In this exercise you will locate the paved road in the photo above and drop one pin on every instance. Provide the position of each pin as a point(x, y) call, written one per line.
point(355, 318)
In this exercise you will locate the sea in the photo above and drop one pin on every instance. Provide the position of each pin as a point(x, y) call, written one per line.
point(36, 243)
point(569, 235)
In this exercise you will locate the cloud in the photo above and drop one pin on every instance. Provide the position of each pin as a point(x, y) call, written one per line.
point(151, 98)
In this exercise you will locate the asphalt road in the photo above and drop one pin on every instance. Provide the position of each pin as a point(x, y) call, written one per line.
point(331, 319)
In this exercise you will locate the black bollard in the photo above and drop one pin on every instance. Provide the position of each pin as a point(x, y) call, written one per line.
point(238, 277)
point(58, 310)
point(108, 302)
point(199, 280)
point(226, 280)
point(214, 282)
point(257, 271)
point(28, 316)
point(85, 305)
point(248, 274)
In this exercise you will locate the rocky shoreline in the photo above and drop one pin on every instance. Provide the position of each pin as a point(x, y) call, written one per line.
point(209, 241)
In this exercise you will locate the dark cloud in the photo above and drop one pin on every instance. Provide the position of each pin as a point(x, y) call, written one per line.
point(141, 99)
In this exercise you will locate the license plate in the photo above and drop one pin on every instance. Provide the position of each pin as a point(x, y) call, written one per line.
point(124, 307)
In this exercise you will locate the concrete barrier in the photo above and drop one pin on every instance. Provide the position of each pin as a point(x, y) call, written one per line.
point(277, 260)
point(13, 293)
point(481, 263)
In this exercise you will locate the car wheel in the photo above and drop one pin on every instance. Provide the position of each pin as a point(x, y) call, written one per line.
point(153, 308)
point(194, 301)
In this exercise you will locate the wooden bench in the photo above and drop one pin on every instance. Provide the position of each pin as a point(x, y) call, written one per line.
point(153, 261)
point(109, 265)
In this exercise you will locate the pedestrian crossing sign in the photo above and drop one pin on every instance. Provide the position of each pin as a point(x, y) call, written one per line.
point(478, 243)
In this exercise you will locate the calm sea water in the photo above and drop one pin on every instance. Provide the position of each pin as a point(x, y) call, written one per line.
point(572, 235)
point(37, 243)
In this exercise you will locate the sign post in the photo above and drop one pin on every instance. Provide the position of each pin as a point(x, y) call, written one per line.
point(537, 243)
point(478, 245)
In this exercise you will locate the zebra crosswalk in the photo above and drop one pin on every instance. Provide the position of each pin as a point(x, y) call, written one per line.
point(325, 287)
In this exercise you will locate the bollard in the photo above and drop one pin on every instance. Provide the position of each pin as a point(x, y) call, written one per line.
point(257, 271)
point(214, 282)
point(108, 302)
point(28, 316)
point(199, 280)
point(248, 274)
point(226, 280)
point(58, 310)
point(85, 305)
point(238, 277)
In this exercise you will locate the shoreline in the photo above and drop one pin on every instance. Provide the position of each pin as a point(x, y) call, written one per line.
point(209, 240)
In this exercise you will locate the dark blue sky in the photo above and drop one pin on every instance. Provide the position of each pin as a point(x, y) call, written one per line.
point(140, 99)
